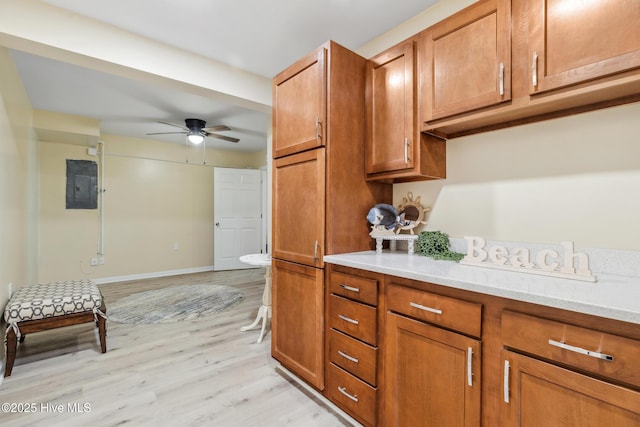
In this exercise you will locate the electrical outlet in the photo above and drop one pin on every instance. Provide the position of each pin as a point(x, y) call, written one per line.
point(176, 246)
point(101, 260)
point(94, 261)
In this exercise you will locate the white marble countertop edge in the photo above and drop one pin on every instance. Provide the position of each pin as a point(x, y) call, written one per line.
point(613, 297)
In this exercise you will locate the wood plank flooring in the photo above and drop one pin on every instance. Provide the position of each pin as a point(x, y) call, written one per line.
point(199, 373)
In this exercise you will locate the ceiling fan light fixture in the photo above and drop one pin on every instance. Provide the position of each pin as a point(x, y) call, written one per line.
point(195, 138)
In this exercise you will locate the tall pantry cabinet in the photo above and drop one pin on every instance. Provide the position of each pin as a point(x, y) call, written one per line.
point(320, 195)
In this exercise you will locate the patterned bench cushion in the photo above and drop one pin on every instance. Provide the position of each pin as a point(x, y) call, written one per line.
point(53, 299)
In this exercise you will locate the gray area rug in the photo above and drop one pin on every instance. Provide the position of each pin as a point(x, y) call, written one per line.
point(173, 304)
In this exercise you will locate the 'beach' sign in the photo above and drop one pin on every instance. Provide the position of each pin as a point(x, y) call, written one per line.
point(548, 262)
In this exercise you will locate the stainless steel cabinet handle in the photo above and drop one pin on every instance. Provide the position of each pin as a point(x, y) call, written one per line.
point(534, 70)
point(346, 356)
point(425, 308)
point(406, 151)
point(505, 389)
point(470, 366)
point(349, 288)
point(315, 252)
point(501, 78)
point(343, 390)
point(318, 123)
point(348, 319)
point(579, 350)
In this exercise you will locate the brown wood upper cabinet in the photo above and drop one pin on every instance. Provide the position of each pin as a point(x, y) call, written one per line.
point(391, 109)
point(299, 110)
point(298, 206)
point(467, 60)
point(573, 42)
point(501, 63)
point(395, 150)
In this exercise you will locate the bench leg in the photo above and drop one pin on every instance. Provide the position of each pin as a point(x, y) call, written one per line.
point(12, 342)
point(102, 331)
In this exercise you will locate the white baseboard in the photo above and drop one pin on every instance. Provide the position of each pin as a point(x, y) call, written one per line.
point(115, 279)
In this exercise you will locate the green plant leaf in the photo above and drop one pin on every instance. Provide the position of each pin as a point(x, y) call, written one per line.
point(435, 244)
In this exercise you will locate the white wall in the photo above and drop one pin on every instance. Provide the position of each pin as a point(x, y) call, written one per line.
point(573, 178)
point(18, 183)
point(153, 200)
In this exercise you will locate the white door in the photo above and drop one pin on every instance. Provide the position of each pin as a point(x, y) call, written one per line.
point(236, 214)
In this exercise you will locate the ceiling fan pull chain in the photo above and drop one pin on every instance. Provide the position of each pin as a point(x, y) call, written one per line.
point(204, 153)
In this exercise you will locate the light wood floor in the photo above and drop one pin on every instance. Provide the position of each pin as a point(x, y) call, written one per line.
point(200, 373)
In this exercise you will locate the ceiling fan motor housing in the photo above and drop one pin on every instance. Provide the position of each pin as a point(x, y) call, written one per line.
point(195, 125)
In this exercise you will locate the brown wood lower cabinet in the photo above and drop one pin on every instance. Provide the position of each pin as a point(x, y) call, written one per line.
point(541, 394)
point(581, 392)
point(352, 394)
point(297, 339)
point(448, 357)
point(352, 342)
point(432, 376)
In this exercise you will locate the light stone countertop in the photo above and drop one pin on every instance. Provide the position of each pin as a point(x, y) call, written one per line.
point(611, 296)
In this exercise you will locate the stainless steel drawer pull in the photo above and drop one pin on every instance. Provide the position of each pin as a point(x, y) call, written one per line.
point(501, 78)
point(349, 288)
point(579, 350)
point(343, 390)
point(348, 319)
point(346, 356)
point(425, 308)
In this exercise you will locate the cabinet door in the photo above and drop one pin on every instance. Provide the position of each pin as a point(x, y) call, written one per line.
point(432, 376)
point(467, 60)
point(540, 394)
point(298, 319)
point(299, 105)
point(573, 42)
point(298, 207)
point(390, 110)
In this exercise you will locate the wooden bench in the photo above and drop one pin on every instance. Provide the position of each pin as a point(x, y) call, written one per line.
point(41, 307)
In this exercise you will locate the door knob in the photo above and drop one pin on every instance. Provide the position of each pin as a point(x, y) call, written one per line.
point(217, 224)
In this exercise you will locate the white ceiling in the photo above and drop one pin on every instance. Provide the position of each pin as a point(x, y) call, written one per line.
point(259, 36)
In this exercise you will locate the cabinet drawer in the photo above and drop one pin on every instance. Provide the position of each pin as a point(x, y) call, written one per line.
point(450, 313)
point(353, 318)
point(601, 353)
point(353, 356)
point(354, 287)
point(355, 396)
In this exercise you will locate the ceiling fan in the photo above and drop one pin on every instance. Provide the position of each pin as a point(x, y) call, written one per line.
point(196, 131)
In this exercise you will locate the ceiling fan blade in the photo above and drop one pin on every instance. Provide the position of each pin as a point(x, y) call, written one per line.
point(178, 126)
point(165, 133)
point(223, 137)
point(216, 128)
